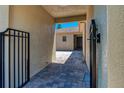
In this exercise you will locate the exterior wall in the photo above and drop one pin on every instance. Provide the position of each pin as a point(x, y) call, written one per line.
point(82, 29)
point(68, 45)
point(87, 42)
point(70, 29)
point(81, 26)
point(54, 49)
point(100, 16)
point(4, 17)
point(115, 46)
point(39, 23)
point(69, 32)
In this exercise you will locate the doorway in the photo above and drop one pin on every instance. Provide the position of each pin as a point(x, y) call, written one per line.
point(78, 42)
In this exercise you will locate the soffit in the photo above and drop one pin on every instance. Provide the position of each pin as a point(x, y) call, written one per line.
point(65, 10)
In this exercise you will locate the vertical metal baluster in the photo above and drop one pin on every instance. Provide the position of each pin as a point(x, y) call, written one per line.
point(9, 50)
point(25, 59)
point(14, 61)
point(18, 59)
point(22, 58)
point(3, 60)
point(28, 74)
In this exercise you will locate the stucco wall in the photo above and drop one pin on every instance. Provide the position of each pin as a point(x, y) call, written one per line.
point(68, 45)
point(82, 27)
point(4, 17)
point(86, 49)
point(39, 23)
point(100, 16)
point(54, 49)
point(65, 30)
point(116, 46)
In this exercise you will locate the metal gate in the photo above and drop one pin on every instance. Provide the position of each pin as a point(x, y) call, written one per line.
point(93, 40)
point(14, 58)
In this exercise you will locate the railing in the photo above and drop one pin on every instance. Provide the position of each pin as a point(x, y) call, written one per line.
point(14, 58)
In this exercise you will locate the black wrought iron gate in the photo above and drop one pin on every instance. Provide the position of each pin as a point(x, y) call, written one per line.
point(14, 58)
point(93, 53)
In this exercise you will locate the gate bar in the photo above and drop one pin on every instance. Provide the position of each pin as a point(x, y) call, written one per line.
point(22, 58)
point(14, 61)
point(28, 56)
point(25, 57)
point(3, 59)
point(1, 63)
point(24, 66)
point(9, 49)
point(18, 59)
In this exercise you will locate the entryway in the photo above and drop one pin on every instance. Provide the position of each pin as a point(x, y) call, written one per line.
point(67, 72)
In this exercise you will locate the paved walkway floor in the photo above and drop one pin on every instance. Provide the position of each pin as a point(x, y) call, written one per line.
point(69, 71)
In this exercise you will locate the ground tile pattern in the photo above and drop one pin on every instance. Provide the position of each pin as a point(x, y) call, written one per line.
point(72, 73)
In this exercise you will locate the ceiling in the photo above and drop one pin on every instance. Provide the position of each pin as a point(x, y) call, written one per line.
point(65, 10)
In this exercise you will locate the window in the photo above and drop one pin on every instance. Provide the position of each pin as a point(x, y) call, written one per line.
point(66, 25)
point(64, 39)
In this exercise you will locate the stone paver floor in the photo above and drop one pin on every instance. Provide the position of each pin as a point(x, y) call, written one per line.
point(69, 71)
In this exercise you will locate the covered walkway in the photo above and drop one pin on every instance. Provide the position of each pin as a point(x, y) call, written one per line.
point(68, 71)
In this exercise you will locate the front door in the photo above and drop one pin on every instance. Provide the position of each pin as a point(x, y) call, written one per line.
point(77, 42)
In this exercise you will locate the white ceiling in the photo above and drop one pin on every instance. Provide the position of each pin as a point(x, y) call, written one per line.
point(65, 10)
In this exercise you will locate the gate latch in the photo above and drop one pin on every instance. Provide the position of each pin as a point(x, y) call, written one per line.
point(98, 36)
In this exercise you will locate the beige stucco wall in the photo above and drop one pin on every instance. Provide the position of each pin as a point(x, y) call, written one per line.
point(116, 46)
point(86, 41)
point(100, 16)
point(65, 30)
point(69, 32)
point(54, 49)
point(4, 17)
point(82, 27)
point(68, 45)
point(39, 23)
